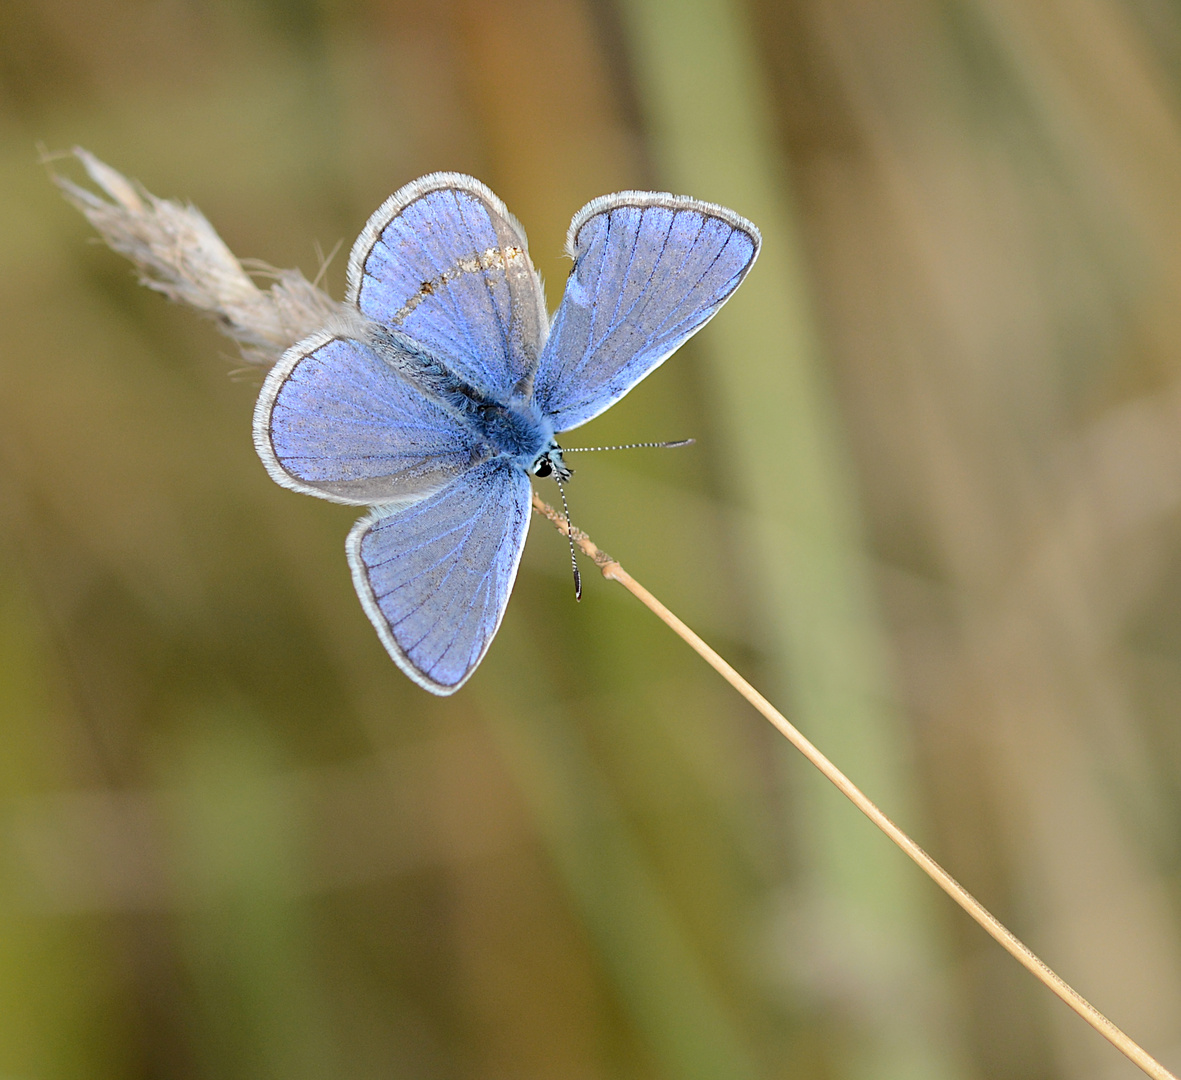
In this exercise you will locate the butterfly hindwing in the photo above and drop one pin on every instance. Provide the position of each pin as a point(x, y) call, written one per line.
point(434, 577)
point(649, 271)
point(334, 419)
point(444, 261)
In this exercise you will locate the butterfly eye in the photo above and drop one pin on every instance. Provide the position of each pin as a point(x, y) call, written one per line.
point(543, 467)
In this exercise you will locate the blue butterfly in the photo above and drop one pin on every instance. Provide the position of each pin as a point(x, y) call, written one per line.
point(438, 389)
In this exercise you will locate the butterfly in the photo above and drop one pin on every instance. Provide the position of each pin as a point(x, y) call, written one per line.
point(438, 389)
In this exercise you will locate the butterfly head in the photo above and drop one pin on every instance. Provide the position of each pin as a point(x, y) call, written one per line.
point(549, 463)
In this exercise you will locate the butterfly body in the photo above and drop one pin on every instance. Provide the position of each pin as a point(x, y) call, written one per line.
point(514, 428)
point(441, 388)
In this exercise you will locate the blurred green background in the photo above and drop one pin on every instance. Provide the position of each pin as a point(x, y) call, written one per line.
point(934, 510)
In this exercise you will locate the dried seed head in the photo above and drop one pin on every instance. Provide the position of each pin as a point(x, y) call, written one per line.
point(178, 253)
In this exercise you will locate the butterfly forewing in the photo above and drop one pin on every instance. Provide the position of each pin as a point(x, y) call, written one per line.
point(649, 271)
point(446, 263)
point(435, 577)
point(335, 420)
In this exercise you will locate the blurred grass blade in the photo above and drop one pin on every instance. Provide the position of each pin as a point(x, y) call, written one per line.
point(237, 826)
point(699, 83)
point(52, 978)
point(657, 971)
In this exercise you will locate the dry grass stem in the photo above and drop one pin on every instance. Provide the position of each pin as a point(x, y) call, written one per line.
point(1011, 943)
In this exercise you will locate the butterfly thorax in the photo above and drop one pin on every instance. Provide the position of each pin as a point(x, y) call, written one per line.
point(516, 430)
point(522, 434)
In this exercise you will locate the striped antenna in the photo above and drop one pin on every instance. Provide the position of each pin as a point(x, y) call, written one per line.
point(570, 537)
point(629, 446)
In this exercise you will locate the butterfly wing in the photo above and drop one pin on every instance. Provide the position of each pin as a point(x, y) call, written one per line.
point(335, 419)
point(445, 261)
point(649, 271)
point(434, 577)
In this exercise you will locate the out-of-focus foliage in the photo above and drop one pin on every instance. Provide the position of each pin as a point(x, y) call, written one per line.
point(236, 842)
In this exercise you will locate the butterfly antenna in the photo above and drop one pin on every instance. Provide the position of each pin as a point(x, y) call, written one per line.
point(629, 446)
point(570, 537)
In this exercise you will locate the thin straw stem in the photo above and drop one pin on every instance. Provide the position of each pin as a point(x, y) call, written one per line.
point(1008, 940)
